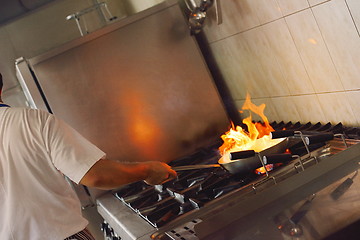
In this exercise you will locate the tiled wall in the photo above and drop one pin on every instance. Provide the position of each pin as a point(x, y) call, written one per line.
point(299, 57)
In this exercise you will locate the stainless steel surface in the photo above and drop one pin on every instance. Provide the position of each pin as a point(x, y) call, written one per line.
point(28, 85)
point(198, 14)
point(139, 88)
point(291, 226)
point(196, 20)
point(218, 12)
point(248, 212)
point(275, 197)
point(206, 4)
point(123, 220)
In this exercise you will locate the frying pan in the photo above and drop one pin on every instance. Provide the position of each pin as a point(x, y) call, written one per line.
point(249, 160)
point(246, 161)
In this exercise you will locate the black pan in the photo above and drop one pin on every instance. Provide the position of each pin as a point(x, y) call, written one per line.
point(246, 161)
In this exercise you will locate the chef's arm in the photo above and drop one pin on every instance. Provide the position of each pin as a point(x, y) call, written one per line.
point(107, 174)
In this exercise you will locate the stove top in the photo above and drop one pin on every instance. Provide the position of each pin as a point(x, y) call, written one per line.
point(192, 190)
point(197, 195)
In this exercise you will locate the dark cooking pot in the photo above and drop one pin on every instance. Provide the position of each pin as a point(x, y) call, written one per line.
point(246, 161)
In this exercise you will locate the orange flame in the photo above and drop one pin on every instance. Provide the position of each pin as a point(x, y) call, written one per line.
point(255, 138)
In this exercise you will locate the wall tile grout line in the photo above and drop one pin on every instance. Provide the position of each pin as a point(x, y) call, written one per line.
point(326, 45)
point(300, 56)
point(299, 95)
point(352, 17)
point(262, 24)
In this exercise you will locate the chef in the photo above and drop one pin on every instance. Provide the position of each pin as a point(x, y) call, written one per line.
point(37, 151)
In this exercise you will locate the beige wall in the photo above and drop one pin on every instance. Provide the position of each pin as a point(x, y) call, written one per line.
point(299, 57)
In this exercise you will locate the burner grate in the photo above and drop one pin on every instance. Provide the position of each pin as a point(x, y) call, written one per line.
point(170, 207)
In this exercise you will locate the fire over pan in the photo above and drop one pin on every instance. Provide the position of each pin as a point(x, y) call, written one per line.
point(246, 161)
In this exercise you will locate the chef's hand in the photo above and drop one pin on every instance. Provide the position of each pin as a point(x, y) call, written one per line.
point(158, 173)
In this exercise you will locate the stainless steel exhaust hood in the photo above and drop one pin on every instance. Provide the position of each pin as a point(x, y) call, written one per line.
point(138, 88)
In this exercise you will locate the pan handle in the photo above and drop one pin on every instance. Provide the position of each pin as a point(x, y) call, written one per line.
point(319, 138)
point(278, 158)
point(241, 154)
point(281, 134)
point(193, 167)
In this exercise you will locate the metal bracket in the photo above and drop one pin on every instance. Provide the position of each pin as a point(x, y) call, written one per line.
point(77, 15)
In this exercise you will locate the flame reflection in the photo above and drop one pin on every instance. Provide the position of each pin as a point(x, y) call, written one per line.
point(144, 129)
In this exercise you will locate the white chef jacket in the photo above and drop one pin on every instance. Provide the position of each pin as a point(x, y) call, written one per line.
point(36, 149)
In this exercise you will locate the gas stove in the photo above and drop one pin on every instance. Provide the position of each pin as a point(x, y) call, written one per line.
point(215, 204)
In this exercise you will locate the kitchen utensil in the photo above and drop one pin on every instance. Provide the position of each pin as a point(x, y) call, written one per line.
point(247, 160)
point(301, 143)
point(343, 187)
